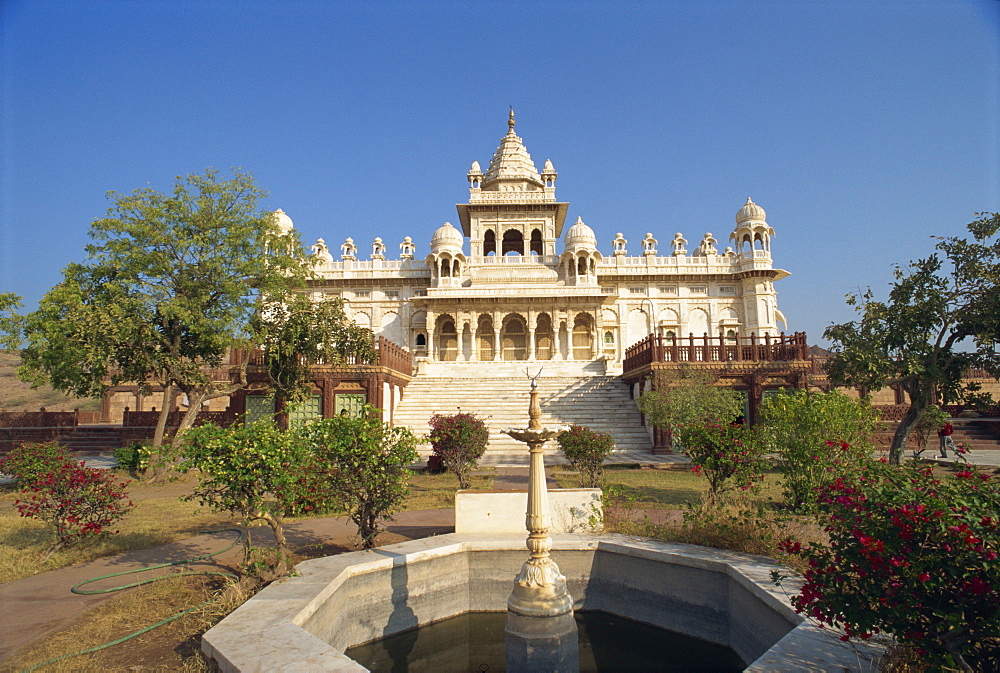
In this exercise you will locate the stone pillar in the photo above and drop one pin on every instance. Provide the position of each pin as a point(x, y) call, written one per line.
point(497, 326)
point(474, 346)
point(431, 350)
point(532, 325)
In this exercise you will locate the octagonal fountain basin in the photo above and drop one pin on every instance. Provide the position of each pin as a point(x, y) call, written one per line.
point(305, 623)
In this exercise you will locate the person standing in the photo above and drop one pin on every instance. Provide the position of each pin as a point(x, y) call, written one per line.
point(944, 438)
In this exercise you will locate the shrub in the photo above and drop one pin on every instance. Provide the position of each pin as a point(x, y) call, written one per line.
point(28, 462)
point(367, 460)
point(815, 437)
point(912, 555)
point(728, 455)
point(586, 451)
point(133, 458)
point(927, 426)
point(459, 441)
point(249, 471)
point(77, 501)
point(686, 398)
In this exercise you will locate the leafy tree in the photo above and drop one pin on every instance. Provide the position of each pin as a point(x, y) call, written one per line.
point(688, 398)
point(459, 440)
point(170, 286)
point(302, 332)
point(936, 307)
point(586, 451)
point(251, 472)
point(10, 322)
point(816, 436)
point(368, 461)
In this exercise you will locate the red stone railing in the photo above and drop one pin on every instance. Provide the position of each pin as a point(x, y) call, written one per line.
point(47, 419)
point(148, 419)
point(388, 354)
point(705, 348)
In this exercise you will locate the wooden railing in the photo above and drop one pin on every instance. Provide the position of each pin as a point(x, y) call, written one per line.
point(705, 348)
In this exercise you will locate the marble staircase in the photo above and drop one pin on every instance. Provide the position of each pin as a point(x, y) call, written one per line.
point(600, 402)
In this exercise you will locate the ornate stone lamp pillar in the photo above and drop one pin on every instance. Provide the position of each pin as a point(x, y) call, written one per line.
point(541, 633)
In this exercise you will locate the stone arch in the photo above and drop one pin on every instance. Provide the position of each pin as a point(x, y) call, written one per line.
point(583, 327)
point(485, 336)
point(545, 344)
point(392, 328)
point(490, 242)
point(697, 322)
point(728, 314)
point(446, 336)
point(513, 241)
point(514, 338)
point(637, 327)
point(535, 245)
point(362, 319)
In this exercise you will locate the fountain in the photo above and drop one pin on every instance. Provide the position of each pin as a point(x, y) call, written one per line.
point(387, 597)
point(541, 634)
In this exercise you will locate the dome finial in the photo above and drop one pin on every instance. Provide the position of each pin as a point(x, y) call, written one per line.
point(510, 121)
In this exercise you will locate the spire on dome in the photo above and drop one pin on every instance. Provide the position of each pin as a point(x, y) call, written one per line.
point(511, 168)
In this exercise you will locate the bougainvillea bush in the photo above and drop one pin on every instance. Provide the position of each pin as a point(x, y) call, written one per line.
point(586, 451)
point(459, 441)
point(728, 455)
point(29, 461)
point(77, 501)
point(912, 555)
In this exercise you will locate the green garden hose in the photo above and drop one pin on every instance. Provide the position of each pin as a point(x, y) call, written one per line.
point(77, 590)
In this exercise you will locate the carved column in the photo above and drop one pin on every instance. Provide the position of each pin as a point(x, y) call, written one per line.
point(497, 326)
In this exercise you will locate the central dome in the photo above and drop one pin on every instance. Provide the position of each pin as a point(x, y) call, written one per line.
point(750, 212)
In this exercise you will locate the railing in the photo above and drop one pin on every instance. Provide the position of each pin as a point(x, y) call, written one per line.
point(47, 419)
point(388, 354)
point(705, 348)
point(149, 419)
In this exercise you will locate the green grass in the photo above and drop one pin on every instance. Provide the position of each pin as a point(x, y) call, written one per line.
point(436, 491)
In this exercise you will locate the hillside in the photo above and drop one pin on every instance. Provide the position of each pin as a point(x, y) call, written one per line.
point(16, 395)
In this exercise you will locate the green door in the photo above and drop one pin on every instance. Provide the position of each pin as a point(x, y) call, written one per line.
point(304, 411)
point(259, 406)
point(349, 405)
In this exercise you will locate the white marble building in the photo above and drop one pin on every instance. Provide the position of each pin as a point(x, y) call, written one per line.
point(500, 287)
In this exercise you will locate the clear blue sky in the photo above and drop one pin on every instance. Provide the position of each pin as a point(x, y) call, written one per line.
point(863, 128)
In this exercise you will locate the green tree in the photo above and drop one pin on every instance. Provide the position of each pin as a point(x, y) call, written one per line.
point(586, 451)
point(10, 321)
point(368, 461)
point(941, 318)
point(251, 472)
point(169, 287)
point(687, 398)
point(459, 440)
point(816, 436)
point(302, 332)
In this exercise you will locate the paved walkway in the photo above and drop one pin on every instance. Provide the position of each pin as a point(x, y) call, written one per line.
point(37, 605)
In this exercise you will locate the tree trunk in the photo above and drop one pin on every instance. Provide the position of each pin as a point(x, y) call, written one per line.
point(918, 402)
point(160, 472)
point(161, 422)
point(282, 553)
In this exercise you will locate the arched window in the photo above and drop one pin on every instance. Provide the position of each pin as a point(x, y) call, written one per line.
point(421, 339)
point(513, 242)
point(514, 339)
point(447, 340)
point(581, 337)
point(485, 337)
point(544, 338)
point(490, 243)
point(536, 242)
point(609, 338)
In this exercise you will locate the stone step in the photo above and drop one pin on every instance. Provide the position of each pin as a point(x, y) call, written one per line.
point(602, 403)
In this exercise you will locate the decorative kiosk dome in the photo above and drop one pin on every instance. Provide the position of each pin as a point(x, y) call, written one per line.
point(282, 220)
point(447, 238)
point(579, 236)
point(750, 212)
